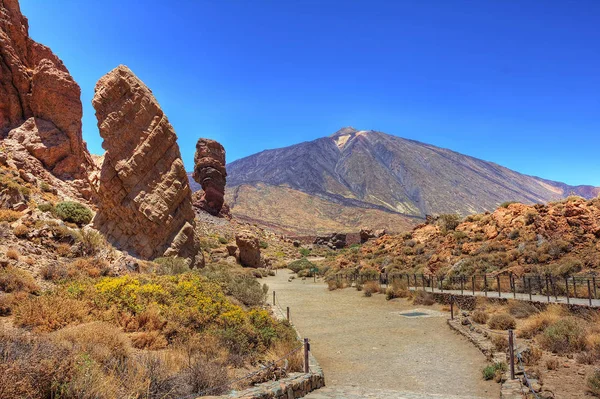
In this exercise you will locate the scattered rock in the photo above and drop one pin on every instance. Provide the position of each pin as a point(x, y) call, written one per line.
point(144, 199)
point(209, 171)
point(333, 241)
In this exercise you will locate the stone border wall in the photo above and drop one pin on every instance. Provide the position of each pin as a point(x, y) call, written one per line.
point(296, 385)
point(509, 389)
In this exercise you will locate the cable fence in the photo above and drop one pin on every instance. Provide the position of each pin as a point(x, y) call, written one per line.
point(541, 287)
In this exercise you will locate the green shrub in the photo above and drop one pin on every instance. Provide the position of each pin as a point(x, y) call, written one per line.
point(223, 240)
point(301, 264)
point(263, 244)
point(494, 371)
point(73, 212)
point(45, 187)
point(507, 204)
point(502, 322)
point(565, 336)
point(304, 251)
point(449, 222)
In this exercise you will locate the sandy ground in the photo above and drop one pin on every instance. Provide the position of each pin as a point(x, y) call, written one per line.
point(365, 342)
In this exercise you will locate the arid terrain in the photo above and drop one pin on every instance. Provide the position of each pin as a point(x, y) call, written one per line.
point(123, 275)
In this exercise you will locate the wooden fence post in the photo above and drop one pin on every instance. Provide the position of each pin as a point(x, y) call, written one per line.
point(485, 284)
point(462, 285)
point(288, 313)
point(473, 284)
point(529, 281)
point(547, 289)
point(306, 350)
point(567, 285)
point(511, 352)
point(514, 286)
point(451, 307)
point(594, 282)
point(574, 288)
point(589, 291)
point(273, 298)
point(498, 282)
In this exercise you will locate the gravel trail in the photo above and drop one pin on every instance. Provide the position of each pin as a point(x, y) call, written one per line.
point(365, 345)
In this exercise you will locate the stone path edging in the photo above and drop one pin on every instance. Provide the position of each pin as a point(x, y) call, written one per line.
point(509, 389)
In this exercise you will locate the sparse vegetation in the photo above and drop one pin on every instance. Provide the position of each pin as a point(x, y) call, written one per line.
point(566, 335)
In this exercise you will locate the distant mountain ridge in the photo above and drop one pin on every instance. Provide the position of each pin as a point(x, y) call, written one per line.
point(373, 170)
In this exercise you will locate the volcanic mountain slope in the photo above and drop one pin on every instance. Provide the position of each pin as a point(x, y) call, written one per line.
point(372, 170)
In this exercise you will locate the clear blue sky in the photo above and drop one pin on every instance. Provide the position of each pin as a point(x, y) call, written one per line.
point(514, 82)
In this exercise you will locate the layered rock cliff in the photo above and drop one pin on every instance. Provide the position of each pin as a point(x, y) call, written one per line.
point(145, 204)
point(40, 106)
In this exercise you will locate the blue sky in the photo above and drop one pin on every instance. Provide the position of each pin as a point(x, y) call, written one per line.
point(514, 82)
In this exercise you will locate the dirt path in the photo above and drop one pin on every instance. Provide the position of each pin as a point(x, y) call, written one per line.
point(366, 343)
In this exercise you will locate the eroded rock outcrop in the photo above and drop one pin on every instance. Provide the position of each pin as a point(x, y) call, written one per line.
point(366, 234)
point(40, 105)
point(249, 249)
point(210, 173)
point(333, 240)
point(145, 204)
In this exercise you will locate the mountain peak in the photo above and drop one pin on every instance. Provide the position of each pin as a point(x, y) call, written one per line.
point(344, 131)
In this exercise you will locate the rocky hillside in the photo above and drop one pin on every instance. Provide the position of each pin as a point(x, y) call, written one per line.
point(388, 175)
point(562, 238)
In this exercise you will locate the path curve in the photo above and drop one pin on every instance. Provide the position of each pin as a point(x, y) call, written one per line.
point(365, 344)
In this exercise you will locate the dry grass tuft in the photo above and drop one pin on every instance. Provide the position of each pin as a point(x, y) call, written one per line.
point(13, 254)
point(8, 215)
point(49, 313)
point(502, 321)
point(480, 316)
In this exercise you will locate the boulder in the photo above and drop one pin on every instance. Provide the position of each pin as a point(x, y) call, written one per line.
point(249, 249)
point(40, 103)
point(210, 173)
point(144, 198)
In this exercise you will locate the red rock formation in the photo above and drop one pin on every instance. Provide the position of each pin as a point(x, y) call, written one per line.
point(249, 249)
point(145, 204)
point(209, 171)
point(40, 104)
